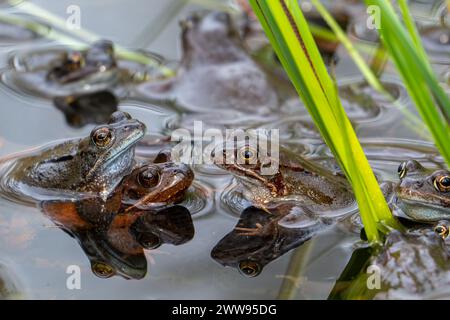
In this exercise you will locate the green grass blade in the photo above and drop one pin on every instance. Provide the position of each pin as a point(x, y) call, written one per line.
point(289, 34)
point(410, 120)
point(430, 99)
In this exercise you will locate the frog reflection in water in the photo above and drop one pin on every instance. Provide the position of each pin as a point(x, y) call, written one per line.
point(140, 214)
point(96, 163)
point(117, 248)
point(289, 206)
point(216, 73)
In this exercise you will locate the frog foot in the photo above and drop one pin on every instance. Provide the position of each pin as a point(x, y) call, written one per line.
point(257, 231)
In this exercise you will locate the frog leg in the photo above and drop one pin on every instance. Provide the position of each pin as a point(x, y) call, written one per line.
point(258, 230)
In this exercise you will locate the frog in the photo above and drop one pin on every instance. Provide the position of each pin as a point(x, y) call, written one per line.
point(63, 72)
point(156, 184)
point(93, 164)
point(422, 194)
point(216, 74)
point(278, 231)
point(410, 264)
point(83, 109)
point(77, 65)
point(269, 178)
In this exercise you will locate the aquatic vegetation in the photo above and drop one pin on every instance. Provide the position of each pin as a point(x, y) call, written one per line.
point(412, 63)
point(290, 36)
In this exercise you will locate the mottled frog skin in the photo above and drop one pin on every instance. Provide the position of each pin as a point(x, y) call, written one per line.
point(294, 179)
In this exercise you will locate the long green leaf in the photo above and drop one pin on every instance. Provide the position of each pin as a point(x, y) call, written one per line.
point(430, 99)
point(289, 34)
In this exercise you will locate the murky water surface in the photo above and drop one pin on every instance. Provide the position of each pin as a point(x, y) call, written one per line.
point(35, 253)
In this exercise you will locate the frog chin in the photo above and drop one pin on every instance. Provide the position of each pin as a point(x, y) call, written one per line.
point(423, 211)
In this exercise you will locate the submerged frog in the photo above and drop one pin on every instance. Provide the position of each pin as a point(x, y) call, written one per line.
point(159, 183)
point(422, 194)
point(216, 72)
point(291, 178)
point(261, 237)
point(96, 163)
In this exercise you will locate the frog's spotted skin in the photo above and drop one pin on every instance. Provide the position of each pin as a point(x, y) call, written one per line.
point(293, 180)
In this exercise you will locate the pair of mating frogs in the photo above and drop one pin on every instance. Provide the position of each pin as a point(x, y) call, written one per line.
point(95, 189)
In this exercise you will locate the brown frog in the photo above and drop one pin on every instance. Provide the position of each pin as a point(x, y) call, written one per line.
point(216, 73)
point(66, 72)
point(291, 178)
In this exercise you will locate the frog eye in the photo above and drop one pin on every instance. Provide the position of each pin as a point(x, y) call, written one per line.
point(401, 170)
point(74, 61)
point(102, 137)
point(148, 178)
point(102, 270)
point(442, 183)
point(149, 241)
point(248, 155)
point(249, 268)
point(442, 230)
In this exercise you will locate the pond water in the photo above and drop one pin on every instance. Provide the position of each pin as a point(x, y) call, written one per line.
point(35, 254)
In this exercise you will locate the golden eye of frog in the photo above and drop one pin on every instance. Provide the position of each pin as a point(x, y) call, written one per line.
point(290, 178)
point(76, 65)
point(158, 183)
point(216, 72)
point(96, 163)
point(422, 194)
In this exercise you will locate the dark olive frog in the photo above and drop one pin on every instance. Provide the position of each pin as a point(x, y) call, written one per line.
point(96, 163)
point(422, 194)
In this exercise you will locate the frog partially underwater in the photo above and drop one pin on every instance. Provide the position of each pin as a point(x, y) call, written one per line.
point(66, 72)
point(292, 178)
point(412, 264)
point(94, 164)
point(139, 214)
point(422, 194)
point(216, 73)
